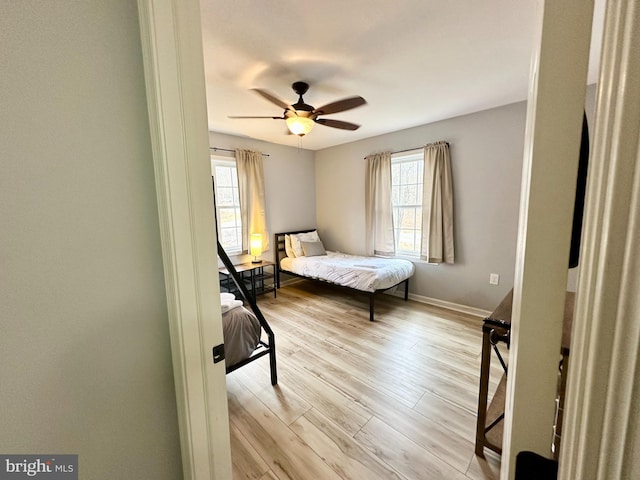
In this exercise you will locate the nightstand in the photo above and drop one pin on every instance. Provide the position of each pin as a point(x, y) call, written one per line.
point(259, 278)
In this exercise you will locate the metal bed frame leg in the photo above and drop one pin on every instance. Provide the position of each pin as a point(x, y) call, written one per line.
point(371, 303)
point(272, 362)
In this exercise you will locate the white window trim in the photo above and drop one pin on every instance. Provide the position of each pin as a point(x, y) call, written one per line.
point(219, 160)
point(406, 157)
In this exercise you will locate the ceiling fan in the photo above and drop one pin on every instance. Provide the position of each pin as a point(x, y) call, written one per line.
point(301, 117)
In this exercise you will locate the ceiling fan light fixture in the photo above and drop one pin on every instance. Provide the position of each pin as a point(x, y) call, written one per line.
point(301, 117)
point(300, 125)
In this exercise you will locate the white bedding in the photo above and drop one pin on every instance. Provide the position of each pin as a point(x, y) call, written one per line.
point(362, 273)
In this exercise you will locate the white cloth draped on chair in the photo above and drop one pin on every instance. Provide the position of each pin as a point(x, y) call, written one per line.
point(252, 202)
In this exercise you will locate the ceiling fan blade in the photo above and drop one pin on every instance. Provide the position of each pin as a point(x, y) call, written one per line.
point(272, 98)
point(340, 105)
point(275, 118)
point(328, 122)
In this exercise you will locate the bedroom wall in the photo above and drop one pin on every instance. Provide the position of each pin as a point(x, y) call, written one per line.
point(289, 178)
point(85, 361)
point(486, 157)
point(486, 154)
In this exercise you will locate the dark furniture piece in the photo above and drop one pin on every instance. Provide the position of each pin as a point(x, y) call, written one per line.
point(256, 276)
point(531, 466)
point(281, 253)
point(264, 348)
point(496, 329)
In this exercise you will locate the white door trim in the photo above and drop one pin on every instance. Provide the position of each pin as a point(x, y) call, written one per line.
point(601, 430)
point(552, 143)
point(174, 75)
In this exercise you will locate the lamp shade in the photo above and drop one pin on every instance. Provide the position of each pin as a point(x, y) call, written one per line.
point(299, 125)
point(255, 246)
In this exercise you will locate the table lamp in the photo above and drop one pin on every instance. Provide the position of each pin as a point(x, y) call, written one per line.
point(255, 247)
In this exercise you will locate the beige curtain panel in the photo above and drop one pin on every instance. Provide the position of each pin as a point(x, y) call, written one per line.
point(437, 213)
point(378, 206)
point(252, 203)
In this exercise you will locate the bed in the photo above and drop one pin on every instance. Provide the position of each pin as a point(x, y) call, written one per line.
point(243, 328)
point(301, 253)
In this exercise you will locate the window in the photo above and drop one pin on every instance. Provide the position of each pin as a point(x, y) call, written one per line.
point(406, 198)
point(225, 180)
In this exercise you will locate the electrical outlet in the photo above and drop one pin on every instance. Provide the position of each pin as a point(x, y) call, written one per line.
point(494, 279)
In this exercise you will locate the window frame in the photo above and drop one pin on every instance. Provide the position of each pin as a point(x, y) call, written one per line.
point(412, 156)
point(228, 162)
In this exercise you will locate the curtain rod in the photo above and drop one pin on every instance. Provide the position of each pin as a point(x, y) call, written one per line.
point(416, 148)
point(215, 149)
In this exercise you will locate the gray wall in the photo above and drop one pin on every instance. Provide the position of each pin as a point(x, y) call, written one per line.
point(486, 155)
point(85, 363)
point(486, 152)
point(289, 183)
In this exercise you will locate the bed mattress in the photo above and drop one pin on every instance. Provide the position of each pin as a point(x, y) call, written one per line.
point(241, 331)
point(361, 273)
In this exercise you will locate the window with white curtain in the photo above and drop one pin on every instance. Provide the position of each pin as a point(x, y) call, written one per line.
point(409, 204)
point(406, 198)
point(225, 180)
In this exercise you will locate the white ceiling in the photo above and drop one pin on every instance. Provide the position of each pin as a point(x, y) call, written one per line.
point(414, 61)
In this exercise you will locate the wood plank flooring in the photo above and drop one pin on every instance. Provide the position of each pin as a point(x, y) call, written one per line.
point(390, 399)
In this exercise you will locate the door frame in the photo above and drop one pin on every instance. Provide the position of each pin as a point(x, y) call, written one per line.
point(171, 41)
point(555, 107)
point(174, 72)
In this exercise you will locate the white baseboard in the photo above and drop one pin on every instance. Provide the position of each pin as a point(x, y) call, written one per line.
point(457, 307)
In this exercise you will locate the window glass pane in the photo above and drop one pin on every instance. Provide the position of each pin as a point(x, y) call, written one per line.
point(400, 218)
point(406, 241)
point(395, 195)
point(224, 197)
point(227, 217)
point(406, 173)
point(410, 196)
point(407, 218)
point(395, 173)
point(229, 236)
point(225, 177)
point(402, 198)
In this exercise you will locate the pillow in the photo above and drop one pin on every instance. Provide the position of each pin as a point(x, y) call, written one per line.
point(226, 297)
point(313, 249)
point(306, 237)
point(287, 246)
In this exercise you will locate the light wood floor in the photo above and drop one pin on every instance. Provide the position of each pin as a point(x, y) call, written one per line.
point(390, 399)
